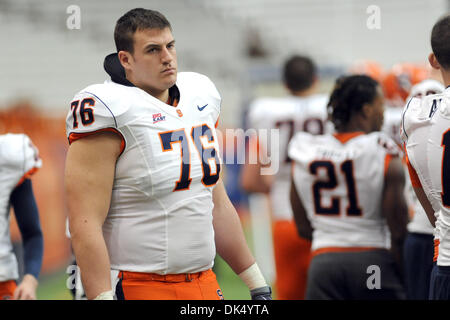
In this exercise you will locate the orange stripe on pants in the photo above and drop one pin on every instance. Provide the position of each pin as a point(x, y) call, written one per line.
point(150, 286)
point(7, 289)
point(292, 256)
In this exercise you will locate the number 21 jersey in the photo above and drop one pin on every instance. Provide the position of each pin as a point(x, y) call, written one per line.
point(340, 181)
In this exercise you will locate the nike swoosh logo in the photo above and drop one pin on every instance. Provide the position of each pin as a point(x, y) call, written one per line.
point(201, 109)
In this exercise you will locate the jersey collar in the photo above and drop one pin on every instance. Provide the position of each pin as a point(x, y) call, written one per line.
point(113, 67)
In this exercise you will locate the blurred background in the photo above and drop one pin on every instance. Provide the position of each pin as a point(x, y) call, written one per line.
point(54, 48)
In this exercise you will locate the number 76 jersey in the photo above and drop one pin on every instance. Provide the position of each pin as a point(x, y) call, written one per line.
point(160, 216)
point(340, 181)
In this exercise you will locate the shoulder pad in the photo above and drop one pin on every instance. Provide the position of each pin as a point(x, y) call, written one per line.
point(19, 154)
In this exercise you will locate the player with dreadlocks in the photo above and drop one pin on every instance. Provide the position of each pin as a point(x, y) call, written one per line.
point(346, 193)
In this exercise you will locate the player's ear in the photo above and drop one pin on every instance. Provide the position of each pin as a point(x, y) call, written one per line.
point(366, 111)
point(125, 59)
point(433, 61)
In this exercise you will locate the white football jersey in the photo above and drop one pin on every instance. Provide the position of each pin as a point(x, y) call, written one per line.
point(160, 216)
point(289, 115)
point(340, 185)
point(391, 123)
point(420, 222)
point(426, 133)
point(19, 159)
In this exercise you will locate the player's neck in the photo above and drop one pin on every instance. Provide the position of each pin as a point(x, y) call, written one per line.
point(304, 93)
point(355, 126)
point(162, 95)
point(446, 77)
point(158, 94)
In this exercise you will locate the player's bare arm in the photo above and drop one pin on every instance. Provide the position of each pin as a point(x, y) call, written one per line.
point(229, 237)
point(301, 220)
point(253, 181)
point(394, 206)
point(251, 178)
point(422, 197)
point(89, 174)
point(232, 246)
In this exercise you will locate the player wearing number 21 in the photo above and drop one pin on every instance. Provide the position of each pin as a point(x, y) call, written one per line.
point(425, 131)
point(347, 194)
point(147, 207)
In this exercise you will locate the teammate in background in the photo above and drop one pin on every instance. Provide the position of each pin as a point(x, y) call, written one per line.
point(347, 190)
point(306, 111)
point(397, 85)
point(426, 134)
point(145, 198)
point(19, 159)
point(367, 67)
point(419, 248)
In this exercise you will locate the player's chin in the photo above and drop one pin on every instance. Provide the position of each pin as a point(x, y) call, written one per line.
point(169, 80)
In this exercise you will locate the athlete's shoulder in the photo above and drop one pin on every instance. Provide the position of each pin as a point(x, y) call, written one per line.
point(444, 103)
point(319, 99)
point(110, 95)
point(100, 106)
point(304, 144)
point(197, 83)
point(418, 112)
point(269, 104)
point(382, 142)
point(18, 151)
point(266, 111)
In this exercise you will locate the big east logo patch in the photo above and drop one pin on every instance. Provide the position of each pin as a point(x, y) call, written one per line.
point(157, 117)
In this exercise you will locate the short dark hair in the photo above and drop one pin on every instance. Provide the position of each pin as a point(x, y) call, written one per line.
point(137, 19)
point(299, 73)
point(349, 95)
point(440, 41)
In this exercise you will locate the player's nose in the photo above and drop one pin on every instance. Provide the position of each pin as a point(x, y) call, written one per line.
point(166, 56)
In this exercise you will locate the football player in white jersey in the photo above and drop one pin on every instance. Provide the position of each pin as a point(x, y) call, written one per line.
point(19, 160)
point(419, 244)
point(303, 110)
point(426, 133)
point(397, 85)
point(347, 196)
point(145, 198)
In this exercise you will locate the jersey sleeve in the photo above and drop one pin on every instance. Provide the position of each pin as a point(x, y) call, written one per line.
point(22, 158)
point(196, 82)
point(417, 113)
point(32, 161)
point(260, 124)
point(89, 114)
point(389, 146)
point(415, 181)
point(298, 147)
point(215, 97)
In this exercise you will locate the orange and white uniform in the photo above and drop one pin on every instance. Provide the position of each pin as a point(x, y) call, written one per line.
point(426, 133)
point(340, 180)
point(19, 159)
point(160, 216)
point(419, 222)
point(289, 115)
point(392, 119)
